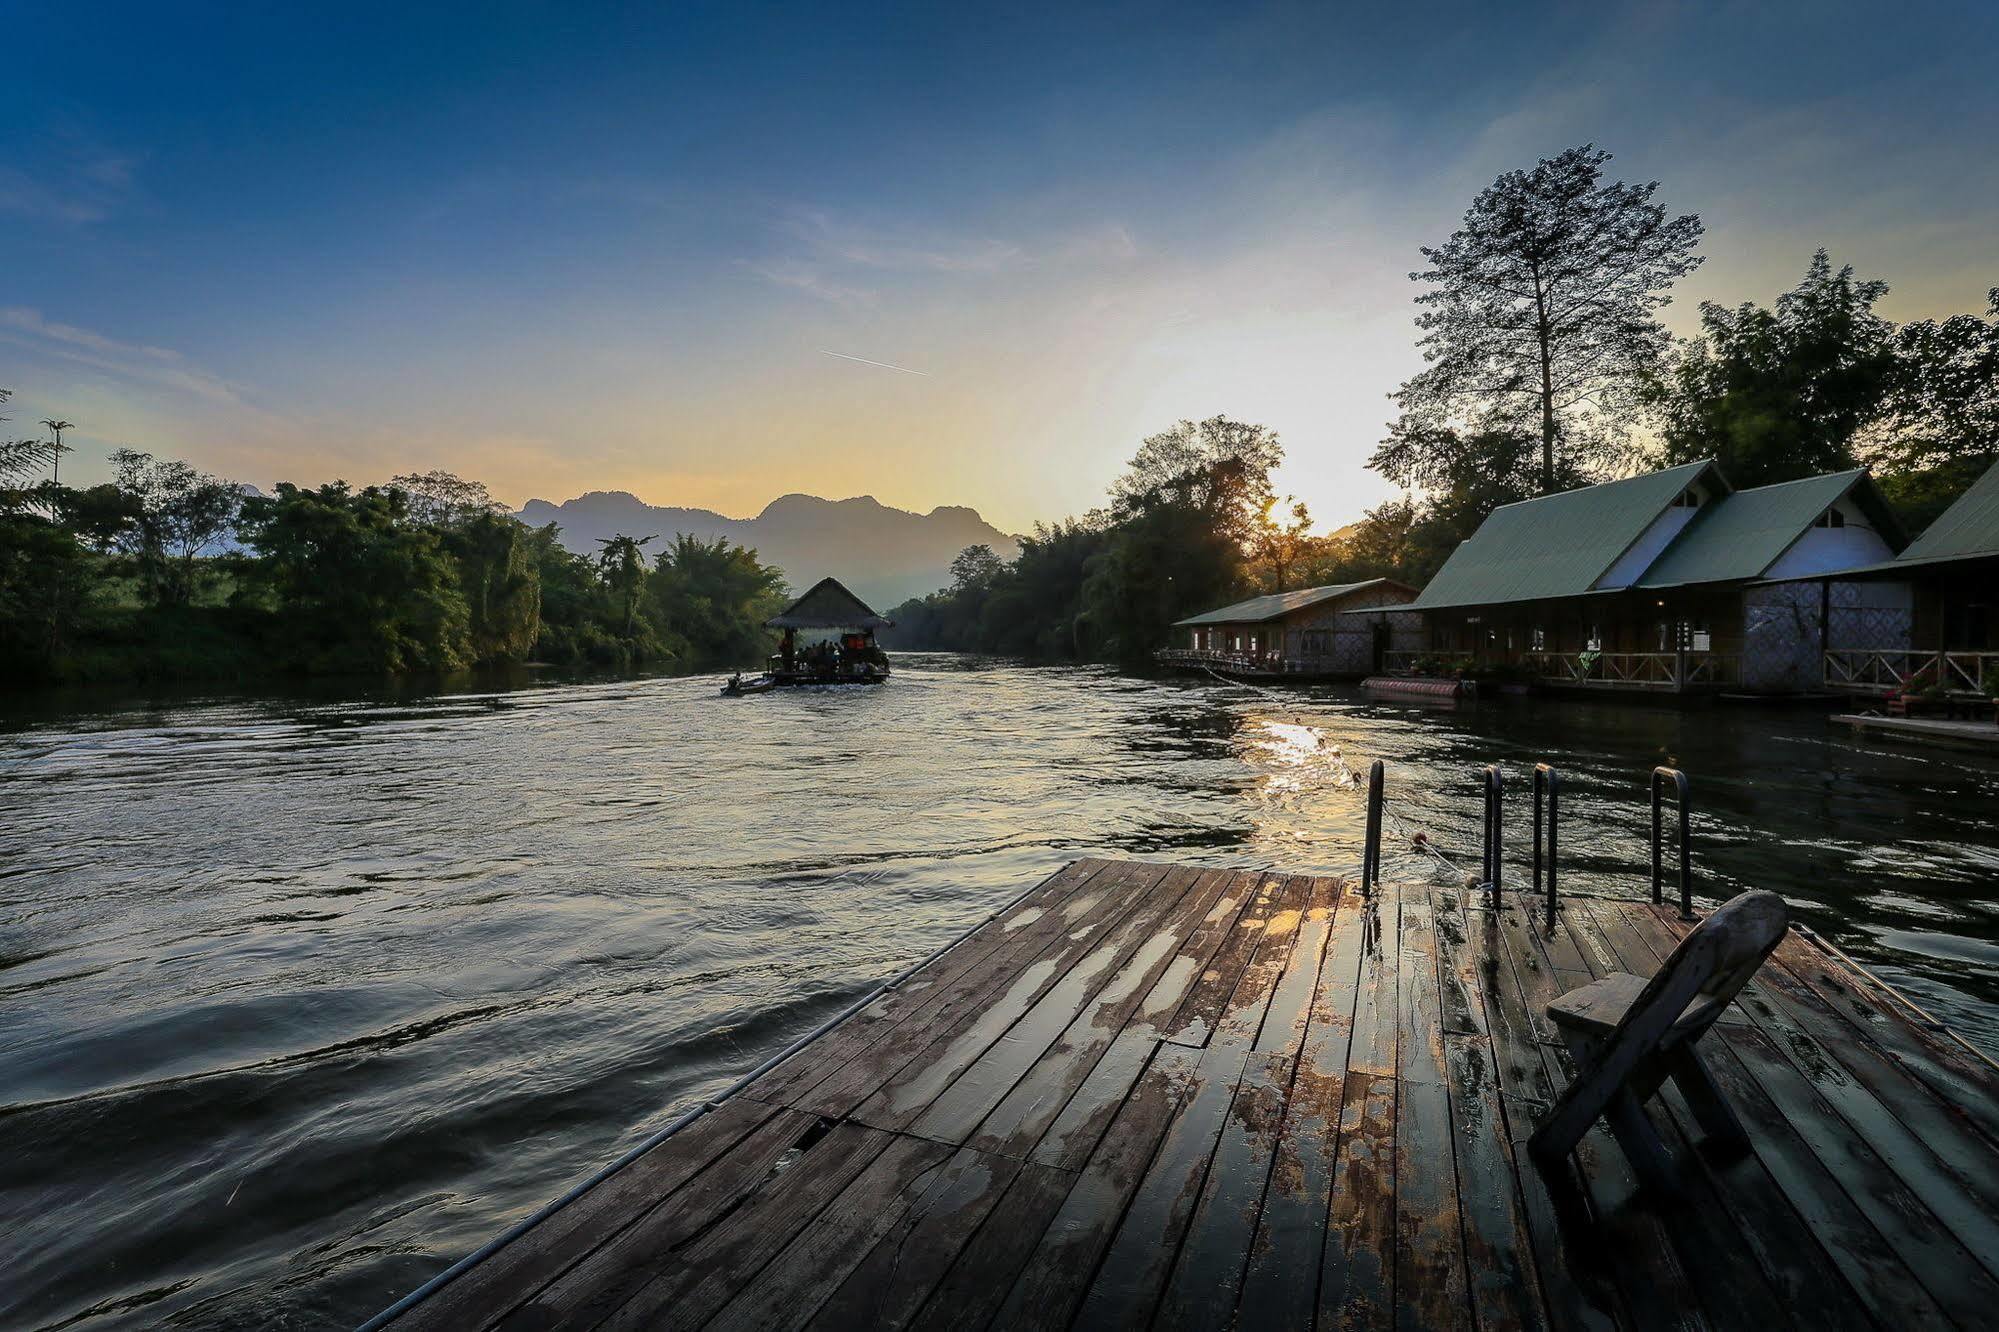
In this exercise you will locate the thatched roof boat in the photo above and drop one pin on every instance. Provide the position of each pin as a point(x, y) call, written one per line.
point(829, 605)
point(850, 657)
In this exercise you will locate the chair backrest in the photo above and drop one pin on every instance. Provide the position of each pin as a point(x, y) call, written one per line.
point(1710, 967)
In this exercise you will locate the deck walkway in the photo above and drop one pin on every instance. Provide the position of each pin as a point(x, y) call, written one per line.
point(1975, 735)
point(1154, 1095)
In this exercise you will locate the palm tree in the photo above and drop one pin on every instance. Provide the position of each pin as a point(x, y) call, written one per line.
point(622, 564)
point(56, 428)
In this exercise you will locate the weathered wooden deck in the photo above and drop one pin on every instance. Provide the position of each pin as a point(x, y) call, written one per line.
point(1154, 1095)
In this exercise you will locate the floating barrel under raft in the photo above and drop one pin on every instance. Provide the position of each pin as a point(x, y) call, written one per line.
point(1402, 687)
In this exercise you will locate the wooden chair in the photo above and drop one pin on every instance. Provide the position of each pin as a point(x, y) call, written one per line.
point(1629, 1035)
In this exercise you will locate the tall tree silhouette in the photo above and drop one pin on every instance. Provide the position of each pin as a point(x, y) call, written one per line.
point(58, 448)
point(1540, 313)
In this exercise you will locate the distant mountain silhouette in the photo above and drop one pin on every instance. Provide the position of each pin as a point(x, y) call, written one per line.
point(885, 555)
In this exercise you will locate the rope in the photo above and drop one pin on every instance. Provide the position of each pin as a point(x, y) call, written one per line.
point(1417, 838)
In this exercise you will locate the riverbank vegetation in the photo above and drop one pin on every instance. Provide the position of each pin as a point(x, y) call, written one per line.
point(1546, 368)
point(166, 573)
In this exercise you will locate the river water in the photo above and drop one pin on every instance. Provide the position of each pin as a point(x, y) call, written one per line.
point(302, 999)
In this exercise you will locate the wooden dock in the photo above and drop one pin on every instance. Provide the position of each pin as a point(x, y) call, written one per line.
point(1155, 1095)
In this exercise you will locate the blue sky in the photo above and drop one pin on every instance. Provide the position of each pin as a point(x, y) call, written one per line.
point(570, 247)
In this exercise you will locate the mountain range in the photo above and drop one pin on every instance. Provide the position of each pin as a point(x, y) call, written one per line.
point(885, 555)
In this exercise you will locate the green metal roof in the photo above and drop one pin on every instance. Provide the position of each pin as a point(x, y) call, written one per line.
point(1968, 527)
point(1555, 545)
point(1967, 530)
point(1742, 534)
point(1259, 610)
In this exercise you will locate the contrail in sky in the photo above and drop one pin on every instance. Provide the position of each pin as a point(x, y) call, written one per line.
point(883, 364)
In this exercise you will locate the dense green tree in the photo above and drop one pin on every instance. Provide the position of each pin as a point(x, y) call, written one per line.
point(1942, 411)
point(1777, 394)
point(499, 576)
point(1541, 312)
point(178, 515)
point(361, 588)
point(709, 601)
point(621, 564)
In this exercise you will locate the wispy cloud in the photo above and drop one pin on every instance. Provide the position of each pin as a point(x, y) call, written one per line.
point(88, 185)
point(127, 360)
point(814, 281)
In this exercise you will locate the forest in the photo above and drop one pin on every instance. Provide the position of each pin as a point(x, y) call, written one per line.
point(1546, 367)
point(165, 573)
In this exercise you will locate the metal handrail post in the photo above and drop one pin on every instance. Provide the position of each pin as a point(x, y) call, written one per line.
point(1547, 780)
point(1370, 856)
point(1493, 840)
point(1660, 776)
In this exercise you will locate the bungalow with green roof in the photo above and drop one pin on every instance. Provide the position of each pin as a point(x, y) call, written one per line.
point(1666, 582)
point(1949, 634)
point(1342, 629)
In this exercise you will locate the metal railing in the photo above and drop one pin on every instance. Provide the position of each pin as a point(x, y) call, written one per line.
point(1370, 856)
point(1547, 801)
point(1660, 776)
point(1548, 787)
point(1634, 670)
point(1494, 832)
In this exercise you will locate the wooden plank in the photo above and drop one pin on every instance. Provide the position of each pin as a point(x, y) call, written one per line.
point(811, 1064)
point(1956, 1076)
point(1040, 1081)
point(1101, 985)
point(1133, 1274)
point(1945, 1267)
point(787, 1290)
point(691, 1282)
point(1375, 1015)
point(1291, 1231)
point(987, 1268)
point(1193, 1020)
point(1207, 1276)
point(1066, 1255)
point(1430, 1284)
point(1886, 1289)
point(1502, 1287)
point(493, 1288)
point(595, 1287)
point(1357, 1277)
point(1074, 1133)
point(1458, 978)
point(898, 1275)
point(1283, 1032)
point(900, 1064)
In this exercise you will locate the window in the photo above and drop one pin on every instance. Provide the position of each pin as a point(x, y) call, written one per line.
point(1593, 640)
point(1537, 639)
point(1831, 518)
point(1689, 499)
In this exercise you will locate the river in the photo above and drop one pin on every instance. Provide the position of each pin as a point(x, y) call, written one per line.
point(301, 999)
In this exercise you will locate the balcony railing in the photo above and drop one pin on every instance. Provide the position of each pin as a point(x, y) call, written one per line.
point(1896, 670)
point(1664, 671)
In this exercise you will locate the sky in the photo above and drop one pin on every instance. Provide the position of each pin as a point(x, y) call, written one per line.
point(561, 248)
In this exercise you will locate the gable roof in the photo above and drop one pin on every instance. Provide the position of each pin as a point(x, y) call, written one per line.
point(829, 605)
point(1258, 610)
point(1742, 534)
point(1968, 528)
point(1556, 545)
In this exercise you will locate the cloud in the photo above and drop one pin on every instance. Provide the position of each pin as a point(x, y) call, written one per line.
point(812, 280)
point(127, 360)
point(24, 196)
